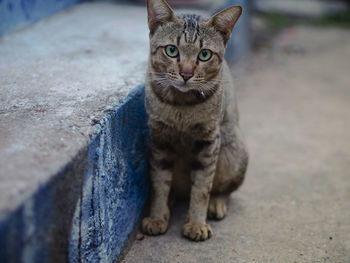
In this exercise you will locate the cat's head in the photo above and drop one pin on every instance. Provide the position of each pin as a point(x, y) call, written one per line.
point(187, 51)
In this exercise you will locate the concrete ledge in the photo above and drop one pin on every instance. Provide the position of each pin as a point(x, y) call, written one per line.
point(87, 210)
point(73, 165)
point(115, 184)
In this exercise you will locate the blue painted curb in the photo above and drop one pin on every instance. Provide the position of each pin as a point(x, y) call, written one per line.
point(17, 13)
point(115, 185)
point(88, 210)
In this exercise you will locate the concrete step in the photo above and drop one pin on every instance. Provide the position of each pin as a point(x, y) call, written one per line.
point(73, 165)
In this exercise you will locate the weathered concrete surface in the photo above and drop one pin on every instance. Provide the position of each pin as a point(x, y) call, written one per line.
point(115, 185)
point(57, 78)
point(294, 206)
point(87, 210)
point(73, 163)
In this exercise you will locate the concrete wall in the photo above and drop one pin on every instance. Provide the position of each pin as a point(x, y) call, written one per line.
point(17, 13)
point(86, 212)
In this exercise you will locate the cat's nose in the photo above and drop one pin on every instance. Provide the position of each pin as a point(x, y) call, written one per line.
point(186, 75)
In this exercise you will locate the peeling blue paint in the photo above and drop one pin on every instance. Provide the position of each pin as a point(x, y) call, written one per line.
point(27, 7)
point(111, 205)
point(24, 234)
point(88, 210)
point(17, 13)
point(10, 7)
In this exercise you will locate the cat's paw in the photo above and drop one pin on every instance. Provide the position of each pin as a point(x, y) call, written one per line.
point(197, 231)
point(217, 208)
point(154, 226)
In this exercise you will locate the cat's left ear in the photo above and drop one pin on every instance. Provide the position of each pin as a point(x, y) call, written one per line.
point(159, 12)
point(225, 20)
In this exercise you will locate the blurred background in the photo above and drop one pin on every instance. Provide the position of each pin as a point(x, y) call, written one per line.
point(64, 63)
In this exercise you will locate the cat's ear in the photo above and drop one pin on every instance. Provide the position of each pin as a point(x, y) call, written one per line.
point(225, 20)
point(159, 12)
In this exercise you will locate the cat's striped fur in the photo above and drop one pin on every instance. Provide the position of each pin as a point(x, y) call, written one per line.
point(196, 150)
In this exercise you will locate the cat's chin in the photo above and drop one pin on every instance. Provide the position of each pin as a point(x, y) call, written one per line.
point(183, 88)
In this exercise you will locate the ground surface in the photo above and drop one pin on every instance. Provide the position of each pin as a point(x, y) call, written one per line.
point(294, 99)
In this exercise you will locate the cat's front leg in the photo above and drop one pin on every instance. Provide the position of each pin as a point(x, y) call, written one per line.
point(161, 177)
point(202, 175)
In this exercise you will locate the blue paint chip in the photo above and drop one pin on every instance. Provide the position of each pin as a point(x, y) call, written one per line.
point(9, 6)
point(27, 7)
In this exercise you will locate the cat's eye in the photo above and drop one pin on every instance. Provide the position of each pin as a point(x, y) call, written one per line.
point(204, 55)
point(171, 51)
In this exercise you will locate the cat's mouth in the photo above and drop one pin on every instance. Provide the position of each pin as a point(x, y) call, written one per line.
point(183, 87)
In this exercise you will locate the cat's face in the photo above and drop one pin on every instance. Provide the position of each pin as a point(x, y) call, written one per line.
point(186, 52)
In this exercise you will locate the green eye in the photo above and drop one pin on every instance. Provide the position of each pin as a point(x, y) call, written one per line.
point(171, 51)
point(204, 55)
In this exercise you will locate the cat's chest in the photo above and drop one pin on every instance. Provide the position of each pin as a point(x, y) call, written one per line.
point(186, 118)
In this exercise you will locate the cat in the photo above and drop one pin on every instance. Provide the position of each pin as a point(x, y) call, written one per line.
point(196, 150)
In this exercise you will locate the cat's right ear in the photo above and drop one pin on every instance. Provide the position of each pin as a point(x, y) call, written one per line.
point(159, 12)
point(225, 20)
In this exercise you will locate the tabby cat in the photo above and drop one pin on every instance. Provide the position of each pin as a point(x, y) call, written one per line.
point(196, 148)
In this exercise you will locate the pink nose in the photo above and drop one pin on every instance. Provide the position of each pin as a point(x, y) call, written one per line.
point(186, 75)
